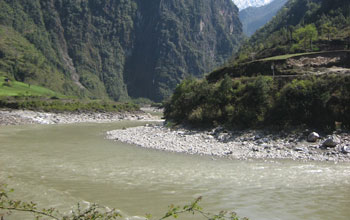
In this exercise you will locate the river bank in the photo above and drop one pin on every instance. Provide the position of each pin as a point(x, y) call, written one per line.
point(258, 144)
point(21, 117)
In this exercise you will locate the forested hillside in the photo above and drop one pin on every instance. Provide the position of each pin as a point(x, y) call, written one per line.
point(253, 18)
point(115, 48)
point(260, 89)
point(301, 26)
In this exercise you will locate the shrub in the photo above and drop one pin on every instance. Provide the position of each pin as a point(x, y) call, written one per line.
point(261, 101)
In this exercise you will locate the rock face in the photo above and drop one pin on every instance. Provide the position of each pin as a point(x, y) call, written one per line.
point(117, 48)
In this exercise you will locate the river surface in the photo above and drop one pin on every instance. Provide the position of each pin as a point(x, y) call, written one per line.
point(60, 165)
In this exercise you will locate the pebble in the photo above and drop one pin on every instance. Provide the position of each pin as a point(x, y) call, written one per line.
point(20, 117)
point(235, 144)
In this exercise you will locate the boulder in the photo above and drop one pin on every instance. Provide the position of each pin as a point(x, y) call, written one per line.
point(346, 150)
point(331, 141)
point(313, 137)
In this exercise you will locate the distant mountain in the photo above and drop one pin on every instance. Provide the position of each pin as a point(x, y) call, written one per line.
point(115, 48)
point(253, 18)
point(242, 4)
point(328, 21)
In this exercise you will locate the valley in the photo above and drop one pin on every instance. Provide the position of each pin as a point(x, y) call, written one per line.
point(136, 105)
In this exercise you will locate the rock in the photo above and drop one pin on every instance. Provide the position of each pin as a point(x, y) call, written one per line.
point(300, 149)
point(257, 137)
point(229, 152)
point(332, 141)
point(265, 146)
point(255, 149)
point(313, 137)
point(346, 150)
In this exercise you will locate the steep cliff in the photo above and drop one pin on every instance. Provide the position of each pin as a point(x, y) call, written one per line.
point(116, 48)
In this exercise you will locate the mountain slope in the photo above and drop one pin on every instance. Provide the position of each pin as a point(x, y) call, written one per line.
point(253, 18)
point(189, 37)
point(116, 48)
point(258, 89)
point(328, 19)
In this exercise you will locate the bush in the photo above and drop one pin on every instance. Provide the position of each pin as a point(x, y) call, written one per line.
point(262, 101)
point(96, 212)
point(56, 105)
point(8, 84)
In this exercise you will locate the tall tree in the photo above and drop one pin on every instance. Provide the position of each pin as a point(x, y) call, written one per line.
point(305, 36)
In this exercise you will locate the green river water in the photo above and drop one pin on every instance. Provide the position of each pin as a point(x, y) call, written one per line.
point(60, 165)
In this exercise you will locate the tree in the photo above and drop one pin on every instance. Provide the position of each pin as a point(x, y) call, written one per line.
point(328, 30)
point(305, 36)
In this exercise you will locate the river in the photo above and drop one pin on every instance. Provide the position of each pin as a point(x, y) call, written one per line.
point(60, 165)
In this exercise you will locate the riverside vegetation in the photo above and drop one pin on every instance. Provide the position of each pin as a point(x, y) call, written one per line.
point(18, 95)
point(262, 101)
point(95, 212)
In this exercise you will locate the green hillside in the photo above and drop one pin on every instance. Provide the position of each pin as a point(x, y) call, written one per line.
point(293, 71)
point(21, 60)
point(15, 88)
point(115, 49)
point(253, 18)
point(301, 26)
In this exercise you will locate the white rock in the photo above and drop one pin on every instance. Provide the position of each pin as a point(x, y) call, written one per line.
point(346, 149)
point(313, 137)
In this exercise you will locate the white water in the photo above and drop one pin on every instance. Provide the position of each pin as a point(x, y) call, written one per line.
point(60, 165)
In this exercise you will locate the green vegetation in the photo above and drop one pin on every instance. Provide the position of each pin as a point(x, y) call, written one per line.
point(305, 36)
point(15, 88)
point(114, 49)
point(18, 95)
point(262, 101)
point(54, 104)
point(20, 60)
point(96, 212)
point(253, 18)
point(244, 94)
point(287, 56)
point(300, 26)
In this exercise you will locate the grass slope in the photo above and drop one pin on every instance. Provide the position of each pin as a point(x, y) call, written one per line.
point(20, 60)
point(15, 88)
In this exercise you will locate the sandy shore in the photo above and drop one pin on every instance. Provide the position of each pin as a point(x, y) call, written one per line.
point(237, 144)
point(19, 117)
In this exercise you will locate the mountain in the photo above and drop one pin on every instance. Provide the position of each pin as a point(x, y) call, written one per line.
point(301, 26)
point(253, 18)
point(293, 71)
point(115, 48)
point(242, 4)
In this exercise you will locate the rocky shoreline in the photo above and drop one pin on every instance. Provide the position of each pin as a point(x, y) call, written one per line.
point(21, 117)
point(258, 144)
